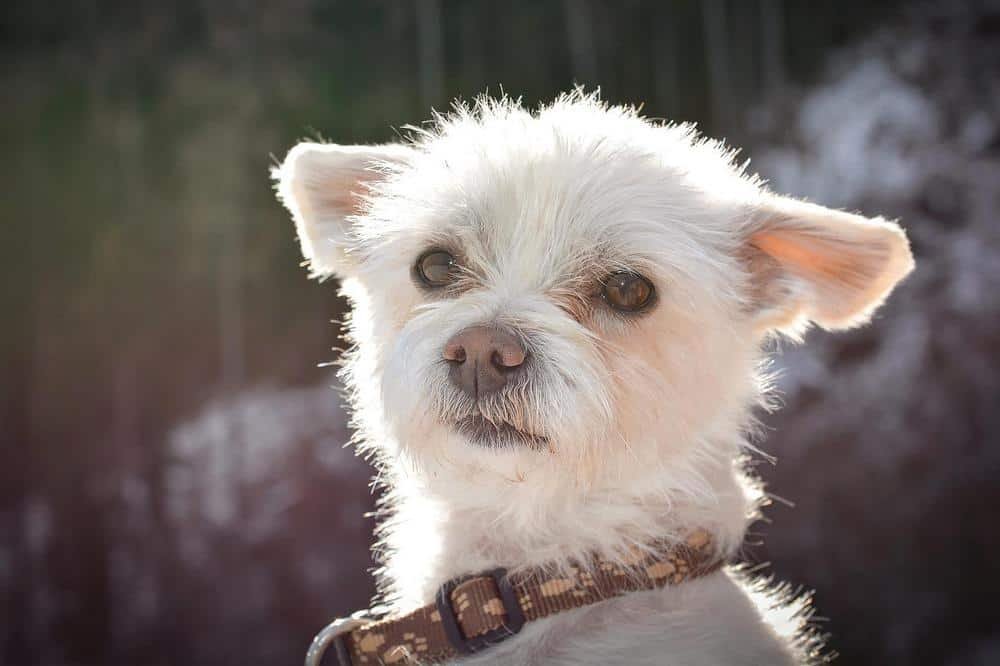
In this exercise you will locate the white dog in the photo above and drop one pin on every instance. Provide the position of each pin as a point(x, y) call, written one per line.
point(557, 323)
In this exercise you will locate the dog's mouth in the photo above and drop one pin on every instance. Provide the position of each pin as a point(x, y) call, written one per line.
point(496, 433)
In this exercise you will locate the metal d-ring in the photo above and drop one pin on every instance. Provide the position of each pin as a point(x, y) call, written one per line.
point(333, 632)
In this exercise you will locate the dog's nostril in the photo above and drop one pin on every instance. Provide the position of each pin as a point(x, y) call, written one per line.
point(454, 352)
point(507, 358)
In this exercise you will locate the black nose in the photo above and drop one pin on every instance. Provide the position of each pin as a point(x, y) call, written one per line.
point(482, 358)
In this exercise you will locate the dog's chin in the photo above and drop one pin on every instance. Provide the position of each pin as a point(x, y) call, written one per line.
point(496, 434)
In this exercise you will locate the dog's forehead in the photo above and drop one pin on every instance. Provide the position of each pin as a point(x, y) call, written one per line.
point(547, 198)
point(555, 213)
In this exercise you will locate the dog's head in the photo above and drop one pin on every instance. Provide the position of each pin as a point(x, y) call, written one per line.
point(577, 283)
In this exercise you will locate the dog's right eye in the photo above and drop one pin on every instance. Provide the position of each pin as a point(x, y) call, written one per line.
point(435, 268)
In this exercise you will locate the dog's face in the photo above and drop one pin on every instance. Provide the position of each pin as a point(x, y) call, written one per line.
point(577, 284)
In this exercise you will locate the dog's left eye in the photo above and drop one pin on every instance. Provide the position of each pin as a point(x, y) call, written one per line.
point(435, 268)
point(627, 292)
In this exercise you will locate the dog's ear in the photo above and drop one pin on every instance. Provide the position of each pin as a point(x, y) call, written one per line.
point(810, 263)
point(323, 186)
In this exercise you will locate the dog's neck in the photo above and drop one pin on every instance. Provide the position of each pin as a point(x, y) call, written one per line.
point(443, 526)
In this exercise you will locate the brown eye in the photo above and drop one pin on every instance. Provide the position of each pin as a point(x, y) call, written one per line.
point(435, 268)
point(628, 292)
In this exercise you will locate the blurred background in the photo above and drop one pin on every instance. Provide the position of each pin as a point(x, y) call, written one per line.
point(173, 487)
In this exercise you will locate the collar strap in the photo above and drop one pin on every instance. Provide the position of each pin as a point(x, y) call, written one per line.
point(474, 612)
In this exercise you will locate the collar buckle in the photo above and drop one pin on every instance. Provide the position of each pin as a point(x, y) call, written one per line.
point(449, 619)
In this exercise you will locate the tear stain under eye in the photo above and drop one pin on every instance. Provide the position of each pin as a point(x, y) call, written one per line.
point(579, 306)
point(582, 297)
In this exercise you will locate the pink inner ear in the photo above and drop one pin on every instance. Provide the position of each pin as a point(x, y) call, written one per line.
point(345, 193)
point(844, 269)
point(821, 257)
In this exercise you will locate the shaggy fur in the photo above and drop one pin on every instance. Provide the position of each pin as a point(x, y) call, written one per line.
point(646, 417)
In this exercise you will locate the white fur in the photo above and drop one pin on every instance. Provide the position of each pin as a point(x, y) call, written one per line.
point(647, 417)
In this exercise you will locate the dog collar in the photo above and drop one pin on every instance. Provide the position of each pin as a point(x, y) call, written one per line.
point(472, 613)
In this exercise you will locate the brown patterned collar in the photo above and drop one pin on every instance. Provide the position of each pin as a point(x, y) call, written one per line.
point(474, 612)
